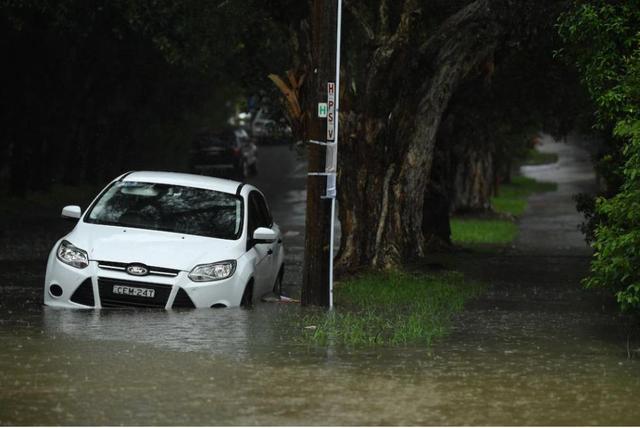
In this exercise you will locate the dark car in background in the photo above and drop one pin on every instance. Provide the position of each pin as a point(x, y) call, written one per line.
point(229, 153)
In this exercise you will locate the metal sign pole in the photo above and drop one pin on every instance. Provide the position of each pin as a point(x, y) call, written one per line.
point(331, 179)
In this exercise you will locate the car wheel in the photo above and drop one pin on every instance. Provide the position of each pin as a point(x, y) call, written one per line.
point(253, 169)
point(247, 296)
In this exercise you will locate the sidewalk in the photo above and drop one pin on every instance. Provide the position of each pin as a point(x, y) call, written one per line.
point(550, 223)
point(535, 300)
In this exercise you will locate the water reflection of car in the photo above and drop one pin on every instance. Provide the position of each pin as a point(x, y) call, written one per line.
point(167, 240)
point(229, 153)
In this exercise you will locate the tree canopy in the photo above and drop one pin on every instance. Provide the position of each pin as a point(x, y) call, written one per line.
point(603, 39)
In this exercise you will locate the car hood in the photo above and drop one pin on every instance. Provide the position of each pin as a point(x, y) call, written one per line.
point(153, 248)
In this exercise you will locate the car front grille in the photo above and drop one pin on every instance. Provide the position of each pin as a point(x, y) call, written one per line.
point(84, 294)
point(153, 270)
point(111, 300)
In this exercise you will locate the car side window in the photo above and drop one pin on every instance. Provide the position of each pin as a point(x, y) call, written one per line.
point(256, 213)
point(264, 211)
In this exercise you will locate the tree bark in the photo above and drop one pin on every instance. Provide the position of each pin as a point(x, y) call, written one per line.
point(381, 202)
point(315, 289)
point(473, 182)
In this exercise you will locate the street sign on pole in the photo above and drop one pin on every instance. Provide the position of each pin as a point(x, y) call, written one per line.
point(331, 114)
point(331, 162)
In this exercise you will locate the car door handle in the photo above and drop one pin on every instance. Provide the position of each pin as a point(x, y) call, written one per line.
point(279, 241)
point(269, 252)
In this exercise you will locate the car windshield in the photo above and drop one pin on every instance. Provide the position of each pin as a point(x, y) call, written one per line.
point(170, 208)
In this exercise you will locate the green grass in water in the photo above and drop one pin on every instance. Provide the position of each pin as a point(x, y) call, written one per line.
point(512, 200)
point(512, 197)
point(534, 157)
point(481, 231)
point(391, 309)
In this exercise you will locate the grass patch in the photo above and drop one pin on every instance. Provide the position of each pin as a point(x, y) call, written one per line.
point(392, 308)
point(481, 231)
point(512, 201)
point(535, 157)
point(512, 197)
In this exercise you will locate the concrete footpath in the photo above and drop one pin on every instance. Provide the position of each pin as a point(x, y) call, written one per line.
point(534, 298)
point(550, 223)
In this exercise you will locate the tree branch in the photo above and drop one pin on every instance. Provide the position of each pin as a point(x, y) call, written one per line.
point(358, 12)
point(474, 12)
point(410, 12)
point(383, 16)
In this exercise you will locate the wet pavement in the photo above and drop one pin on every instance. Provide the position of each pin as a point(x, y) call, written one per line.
point(536, 349)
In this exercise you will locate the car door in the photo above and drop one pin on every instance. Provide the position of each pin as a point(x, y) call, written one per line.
point(263, 251)
point(276, 246)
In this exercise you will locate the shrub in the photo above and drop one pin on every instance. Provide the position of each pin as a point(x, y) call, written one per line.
point(601, 37)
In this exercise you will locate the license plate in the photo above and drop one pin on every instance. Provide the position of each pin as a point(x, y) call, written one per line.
point(134, 291)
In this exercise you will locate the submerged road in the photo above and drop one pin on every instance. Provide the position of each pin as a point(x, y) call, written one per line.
point(536, 350)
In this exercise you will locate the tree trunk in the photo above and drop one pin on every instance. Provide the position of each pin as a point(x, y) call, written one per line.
point(473, 179)
point(387, 154)
point(315, 289)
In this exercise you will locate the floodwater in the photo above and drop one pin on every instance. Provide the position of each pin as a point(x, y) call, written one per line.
point(244, 367)
point(536, 350)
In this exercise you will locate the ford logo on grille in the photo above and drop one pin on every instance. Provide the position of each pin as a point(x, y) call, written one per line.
point(137, 270)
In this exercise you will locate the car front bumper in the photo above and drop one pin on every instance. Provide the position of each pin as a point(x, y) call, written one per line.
point(93, 287)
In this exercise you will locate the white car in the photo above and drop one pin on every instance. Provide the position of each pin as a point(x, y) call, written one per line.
point(265, 128)
point(167, 240)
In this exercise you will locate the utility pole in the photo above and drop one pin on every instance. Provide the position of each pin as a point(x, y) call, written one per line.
point(320, 209)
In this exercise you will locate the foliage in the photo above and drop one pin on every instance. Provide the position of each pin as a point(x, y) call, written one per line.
point(391, 308)
point(617, 237)
point(603, 38)
point(586, 204)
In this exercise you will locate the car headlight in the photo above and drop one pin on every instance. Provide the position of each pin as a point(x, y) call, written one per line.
point(72, 255)
point(213, 271)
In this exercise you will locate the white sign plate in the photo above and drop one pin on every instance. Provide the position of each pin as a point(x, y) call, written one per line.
point(331, 113)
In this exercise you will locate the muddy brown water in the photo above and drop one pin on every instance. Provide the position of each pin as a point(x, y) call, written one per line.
point(536, 349)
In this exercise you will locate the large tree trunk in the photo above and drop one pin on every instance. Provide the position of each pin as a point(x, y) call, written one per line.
point(315, 287)
point(387, 152)
point(473, 179)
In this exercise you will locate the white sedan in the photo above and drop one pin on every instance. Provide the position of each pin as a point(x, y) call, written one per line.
point(167, 240)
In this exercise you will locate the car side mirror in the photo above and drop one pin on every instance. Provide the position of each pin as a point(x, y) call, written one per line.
point(71, 212)
point(264, 235)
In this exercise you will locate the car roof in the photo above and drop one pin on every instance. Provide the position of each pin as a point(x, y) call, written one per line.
point(187, 180)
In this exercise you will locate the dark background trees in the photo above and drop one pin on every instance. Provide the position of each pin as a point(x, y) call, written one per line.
point(93, 88)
